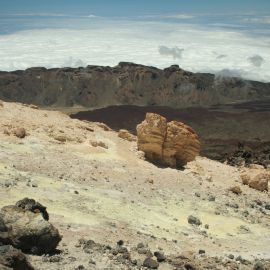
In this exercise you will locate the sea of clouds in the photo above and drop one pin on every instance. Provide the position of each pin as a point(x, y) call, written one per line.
point(220, 50)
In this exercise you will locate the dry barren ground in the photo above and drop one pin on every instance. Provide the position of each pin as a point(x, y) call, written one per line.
point(96, 186)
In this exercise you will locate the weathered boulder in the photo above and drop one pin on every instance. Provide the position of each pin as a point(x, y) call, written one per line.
point(257, 181)
point(126, 135)
point(171, 144)
point(26, 229)
point(181, 144)
point(11, 258)
point(151, 135)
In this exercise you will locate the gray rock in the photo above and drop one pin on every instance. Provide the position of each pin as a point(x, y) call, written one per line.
point(267, 206)
point(11, 258)
point(160, 256)
point(259, 266)
point(194, 220)
point(150, 263)
point(27, 230)
point(231, 256)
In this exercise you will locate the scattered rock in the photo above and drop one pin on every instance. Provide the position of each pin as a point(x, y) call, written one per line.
point(236, 190)
point(194, 220)
point(160, 256)
point(170, 144)
point(231, 256)
point(259, 266)
point(150, 263)
point(19, 132)
point(258, 181)
point(98, 143)
point(60, 138)
point(11, 258)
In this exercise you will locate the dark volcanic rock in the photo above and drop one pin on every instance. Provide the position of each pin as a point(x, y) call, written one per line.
point(246, 157)
point(11, 258)
point(150, 263)
point(127, 83)
point(27, 230)
point(194, 220)
point(33, 206)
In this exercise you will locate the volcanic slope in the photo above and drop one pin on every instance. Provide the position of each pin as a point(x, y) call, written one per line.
point(97, 186)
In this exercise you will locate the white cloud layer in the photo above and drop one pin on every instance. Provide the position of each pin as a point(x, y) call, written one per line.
point(150, 43)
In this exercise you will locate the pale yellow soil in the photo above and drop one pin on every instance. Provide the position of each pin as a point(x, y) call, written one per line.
point(116, 199)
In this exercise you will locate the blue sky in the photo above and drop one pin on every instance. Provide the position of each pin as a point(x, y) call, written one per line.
point(131, 7)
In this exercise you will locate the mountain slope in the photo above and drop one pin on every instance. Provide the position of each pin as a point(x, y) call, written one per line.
point(125, 84)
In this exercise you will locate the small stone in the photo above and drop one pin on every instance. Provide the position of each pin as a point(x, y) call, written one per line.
point(236, 190)
point(150, 263)
point(91, 261)
point(211, 198)
point(259, 266)
point(231, 256)
point(80, 267)
point(194, 220)
point(160, 256)
point(140, 245)
point(206, 226)
point(120, 243)
point(201, 251)
point(20, 133)
point(239, 259)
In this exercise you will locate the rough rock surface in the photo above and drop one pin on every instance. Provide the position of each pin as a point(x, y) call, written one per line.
point(33, 206)
point(27, 230)
point(257, 181)
point(126, 135)
point(11, 258)
point(171, 144)
point(126, 83)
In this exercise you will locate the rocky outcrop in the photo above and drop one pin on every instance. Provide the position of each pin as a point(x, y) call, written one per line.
point(11, 258)
point(170, 144)
point(24, 227)
point(125, 84)
point(257, 180)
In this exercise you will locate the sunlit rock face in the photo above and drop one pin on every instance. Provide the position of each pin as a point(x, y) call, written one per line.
point(170, 144)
